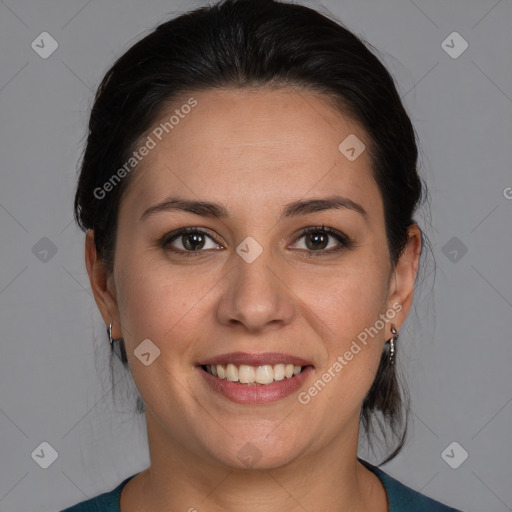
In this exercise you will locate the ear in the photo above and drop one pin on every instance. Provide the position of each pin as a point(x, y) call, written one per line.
point(401, 290)
point(103, 285)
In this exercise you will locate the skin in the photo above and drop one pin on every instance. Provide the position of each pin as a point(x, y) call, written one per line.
point(253, 151)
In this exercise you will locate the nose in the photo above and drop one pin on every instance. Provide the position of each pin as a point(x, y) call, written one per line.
point(256, 296)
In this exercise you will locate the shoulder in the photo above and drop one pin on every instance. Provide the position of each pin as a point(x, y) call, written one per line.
point(404, 499)
point(106, 502)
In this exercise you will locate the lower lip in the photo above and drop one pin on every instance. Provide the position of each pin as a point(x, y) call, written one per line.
point(256, 393)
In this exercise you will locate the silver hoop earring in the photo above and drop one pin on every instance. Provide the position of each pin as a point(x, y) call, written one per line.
point(391, 342)
point(118, 349)
point(109, 332)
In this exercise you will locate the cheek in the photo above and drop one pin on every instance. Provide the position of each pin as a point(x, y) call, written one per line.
point(349, 298)
point(156, 297)
point(158, 301)
point(144, 297)
point(350, 306)
point(158, 304)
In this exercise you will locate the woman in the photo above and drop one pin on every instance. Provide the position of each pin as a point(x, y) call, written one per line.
point(248, 191)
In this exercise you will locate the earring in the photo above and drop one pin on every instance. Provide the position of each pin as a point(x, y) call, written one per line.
point(110, 339)
point(109, 333)
point(391, 342)
point(118, 349)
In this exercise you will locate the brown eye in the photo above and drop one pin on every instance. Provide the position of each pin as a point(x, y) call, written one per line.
point(316, 240)
point(193, 241)
point(189, 240)
point(319, 241)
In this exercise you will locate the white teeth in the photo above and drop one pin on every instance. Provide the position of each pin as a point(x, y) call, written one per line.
point(279, 372)
point(246, 374)
point(264, 374)
point(231, 372)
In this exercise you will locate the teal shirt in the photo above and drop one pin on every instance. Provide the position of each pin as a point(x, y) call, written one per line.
point(400, 497)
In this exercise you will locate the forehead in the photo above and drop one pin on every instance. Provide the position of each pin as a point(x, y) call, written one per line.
point(269, 144)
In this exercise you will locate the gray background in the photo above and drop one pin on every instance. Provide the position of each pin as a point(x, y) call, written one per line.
point(456, 349)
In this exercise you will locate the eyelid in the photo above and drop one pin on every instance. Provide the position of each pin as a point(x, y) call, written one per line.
point(166, 240)
point(344, 242)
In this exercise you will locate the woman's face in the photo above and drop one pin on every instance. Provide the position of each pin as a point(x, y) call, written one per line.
point(250, 281)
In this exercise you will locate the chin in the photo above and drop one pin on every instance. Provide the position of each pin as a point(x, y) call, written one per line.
point(258, 454)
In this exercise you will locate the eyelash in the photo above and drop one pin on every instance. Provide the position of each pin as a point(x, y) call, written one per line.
point(345, 242)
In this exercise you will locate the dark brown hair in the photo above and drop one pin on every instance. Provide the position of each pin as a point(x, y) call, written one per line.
point(255, 43)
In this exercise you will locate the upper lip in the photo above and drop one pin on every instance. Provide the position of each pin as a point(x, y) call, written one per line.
point(270, 358)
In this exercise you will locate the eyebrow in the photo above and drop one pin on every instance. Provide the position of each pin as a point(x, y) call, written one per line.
point(217, 210)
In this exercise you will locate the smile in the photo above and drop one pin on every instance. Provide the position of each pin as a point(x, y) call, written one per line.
point(245, 374)
point(253, 392)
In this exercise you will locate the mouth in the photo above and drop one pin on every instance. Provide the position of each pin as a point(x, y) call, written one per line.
point(255, 378)
point(246, 374)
